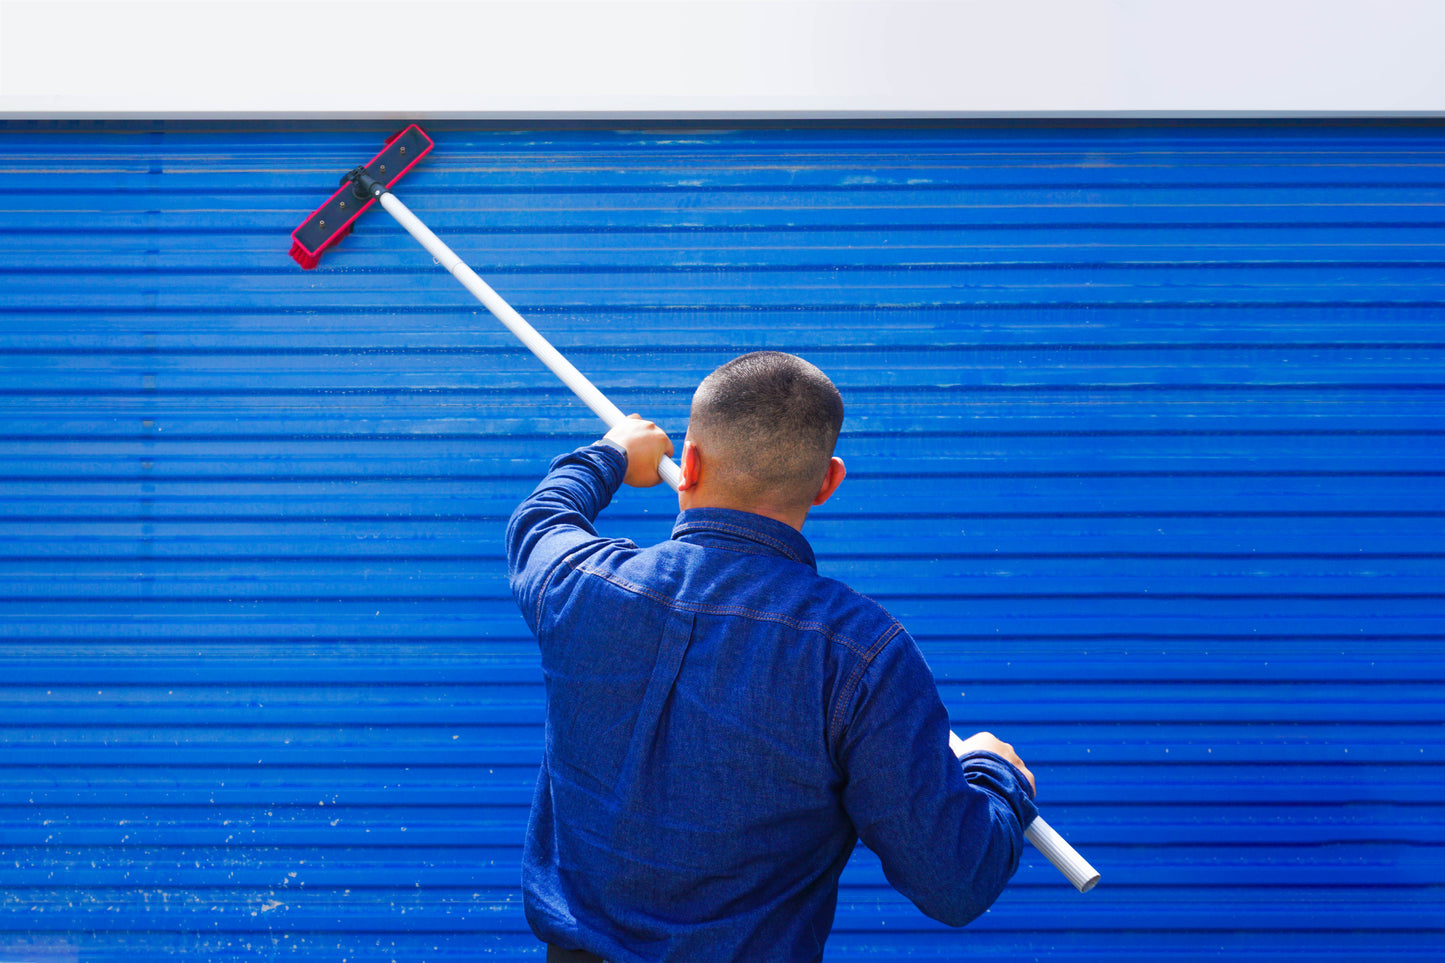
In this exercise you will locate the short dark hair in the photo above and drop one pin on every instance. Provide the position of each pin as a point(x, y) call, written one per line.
point(768, 421)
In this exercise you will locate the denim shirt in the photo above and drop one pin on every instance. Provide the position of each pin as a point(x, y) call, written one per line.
point(722, 726)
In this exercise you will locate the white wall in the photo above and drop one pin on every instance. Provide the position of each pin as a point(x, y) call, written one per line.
point(500, 58)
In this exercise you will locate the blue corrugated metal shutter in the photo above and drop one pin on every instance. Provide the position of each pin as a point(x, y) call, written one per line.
point(1144, 436)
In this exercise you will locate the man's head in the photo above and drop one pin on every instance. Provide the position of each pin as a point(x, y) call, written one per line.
point(762, 430)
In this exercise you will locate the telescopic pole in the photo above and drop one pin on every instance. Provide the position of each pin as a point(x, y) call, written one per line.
point(1041, 834)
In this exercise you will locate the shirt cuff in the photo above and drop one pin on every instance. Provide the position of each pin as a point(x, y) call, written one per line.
point(985, 770)
point(1010, 767)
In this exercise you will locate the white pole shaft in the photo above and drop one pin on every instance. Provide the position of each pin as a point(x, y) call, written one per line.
point(1041, 834)
point(528, 335)
point(1056, 849)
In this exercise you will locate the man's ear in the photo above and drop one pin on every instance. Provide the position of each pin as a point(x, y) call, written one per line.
point(691, 466)
point(836, 473)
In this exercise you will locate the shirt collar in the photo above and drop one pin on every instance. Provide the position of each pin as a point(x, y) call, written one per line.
point(743, 532)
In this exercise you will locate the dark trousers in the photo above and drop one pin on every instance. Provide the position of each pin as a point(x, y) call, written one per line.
point(555, 954)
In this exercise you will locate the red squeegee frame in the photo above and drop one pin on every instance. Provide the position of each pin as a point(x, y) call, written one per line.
point(307, 253)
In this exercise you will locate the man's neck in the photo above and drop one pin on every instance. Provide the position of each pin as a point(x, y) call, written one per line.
point(693, 498)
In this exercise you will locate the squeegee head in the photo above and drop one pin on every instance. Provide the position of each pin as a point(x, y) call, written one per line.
point(332, 221)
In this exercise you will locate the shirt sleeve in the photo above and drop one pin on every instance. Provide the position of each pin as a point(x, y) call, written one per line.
point(949, 833)
point(556, 520)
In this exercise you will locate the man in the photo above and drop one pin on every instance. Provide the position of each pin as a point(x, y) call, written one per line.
point(723, 724)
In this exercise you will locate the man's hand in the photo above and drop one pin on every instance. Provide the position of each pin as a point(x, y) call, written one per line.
point(645, 444)
point(988, 742)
